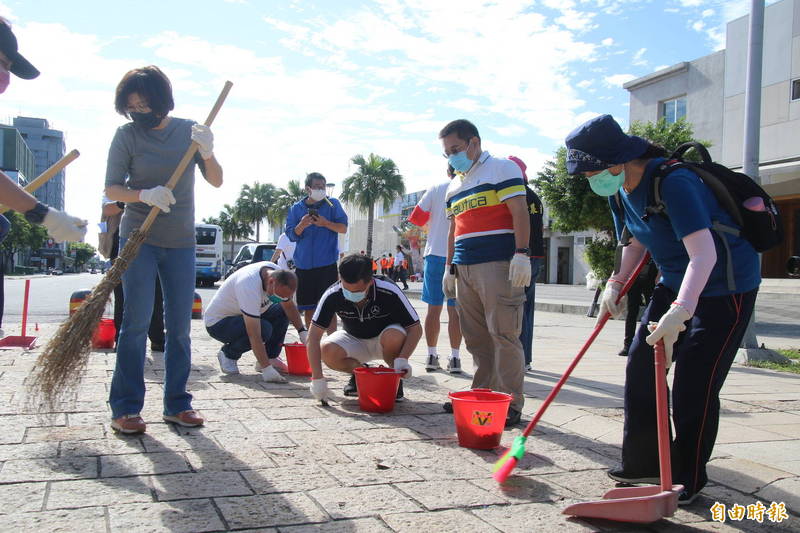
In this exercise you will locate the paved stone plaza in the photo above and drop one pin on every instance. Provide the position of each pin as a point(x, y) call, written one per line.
point(271, 459)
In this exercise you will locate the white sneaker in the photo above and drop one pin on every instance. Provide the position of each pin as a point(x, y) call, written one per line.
point(270, 375)
point(228, 366)
point(454, 365)
point(433, 363)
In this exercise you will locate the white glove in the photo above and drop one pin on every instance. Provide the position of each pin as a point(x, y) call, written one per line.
point(270, 375)
point(64, 227)
point(320, 391)
point(608, 302)
point(205, 140)
point(401, 365)
point(519, 271)
point(668, 328)
point(449, 283)
point(159, 197)
point(303, 336)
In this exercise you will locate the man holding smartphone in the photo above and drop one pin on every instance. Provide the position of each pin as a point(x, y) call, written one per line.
point(314, 224)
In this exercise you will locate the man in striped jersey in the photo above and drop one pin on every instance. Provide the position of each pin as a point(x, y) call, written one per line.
point(487, 260)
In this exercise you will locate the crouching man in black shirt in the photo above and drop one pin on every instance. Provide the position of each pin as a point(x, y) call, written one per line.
point(379, 323)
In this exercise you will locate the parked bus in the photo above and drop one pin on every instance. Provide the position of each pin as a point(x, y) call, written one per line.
point(209, 265)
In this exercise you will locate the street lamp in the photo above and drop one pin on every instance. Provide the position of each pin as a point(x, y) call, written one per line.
point(329, 189)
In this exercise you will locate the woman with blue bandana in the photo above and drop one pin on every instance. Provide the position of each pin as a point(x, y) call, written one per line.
point(701, 317)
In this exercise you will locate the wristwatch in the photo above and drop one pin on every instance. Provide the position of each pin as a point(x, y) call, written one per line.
point(37, 214)
point(525, 251)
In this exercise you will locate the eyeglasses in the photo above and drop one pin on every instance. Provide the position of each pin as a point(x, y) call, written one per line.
point(454, 151)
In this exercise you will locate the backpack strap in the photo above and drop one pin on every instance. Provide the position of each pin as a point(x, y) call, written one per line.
point(625, 238)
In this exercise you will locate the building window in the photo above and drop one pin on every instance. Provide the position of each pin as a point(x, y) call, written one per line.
point(673, 110)
point(796, 89)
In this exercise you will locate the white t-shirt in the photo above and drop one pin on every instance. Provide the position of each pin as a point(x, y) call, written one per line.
point(398, 259)
point(433, 202)
point(242, 293)
point(287, 247)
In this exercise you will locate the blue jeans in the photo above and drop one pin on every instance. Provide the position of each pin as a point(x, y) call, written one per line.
point(526, 335)
point(232, 332)
point(175, 267)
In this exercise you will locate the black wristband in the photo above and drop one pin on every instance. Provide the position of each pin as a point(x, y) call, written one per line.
point(302, 330)
point(37, 214)
point(525, 251)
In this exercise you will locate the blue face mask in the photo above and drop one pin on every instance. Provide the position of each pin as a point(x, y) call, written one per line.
point(354, 297)
point(460, 162)
point(606, 183)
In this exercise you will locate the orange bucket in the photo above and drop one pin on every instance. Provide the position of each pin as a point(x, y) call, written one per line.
point(103, 336)
point(297, 359)
point(377, 388)
point(480, 416)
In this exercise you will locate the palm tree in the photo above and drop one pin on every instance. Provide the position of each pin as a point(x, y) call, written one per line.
point(284, 200)
point(232, 226)
point(253, 204)
point(377, 180)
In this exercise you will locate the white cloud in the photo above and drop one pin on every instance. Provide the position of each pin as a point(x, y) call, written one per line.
point(608, 41)
point(638, 58)
point(585, 84)
point(698, 25)
point(707, 13)
point(617, 80)
point(509, 131)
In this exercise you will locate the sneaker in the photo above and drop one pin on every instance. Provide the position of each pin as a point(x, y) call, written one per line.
point(228, 366)
point(270, 375)
point(624, 351)
point(617, 474)
point(129, 424)
point(433, 363)
point(686, 498)
point(157, 348)
point(454, 365)
point(187, 419)
point(400, 397)
point(448, 407)
point(513, 417)
point(528, 367)
point(279, 365)
point(351, 389)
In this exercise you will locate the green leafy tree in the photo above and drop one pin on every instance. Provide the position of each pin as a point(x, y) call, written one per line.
point(82, 252)
point(22, 235)
point(285, 198)
point(574, 207)
point(376, 180)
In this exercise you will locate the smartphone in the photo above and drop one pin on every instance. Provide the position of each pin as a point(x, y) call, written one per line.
point(313, 211)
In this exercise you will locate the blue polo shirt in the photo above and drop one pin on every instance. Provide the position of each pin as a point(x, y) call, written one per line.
point(316, 246)
point(691, 206)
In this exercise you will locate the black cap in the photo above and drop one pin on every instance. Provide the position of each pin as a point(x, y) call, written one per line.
point(20, 66)
point(599, 144)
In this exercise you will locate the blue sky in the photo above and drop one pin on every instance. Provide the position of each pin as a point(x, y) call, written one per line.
point(318, 82)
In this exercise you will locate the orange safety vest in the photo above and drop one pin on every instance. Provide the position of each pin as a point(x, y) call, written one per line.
point(374, 266)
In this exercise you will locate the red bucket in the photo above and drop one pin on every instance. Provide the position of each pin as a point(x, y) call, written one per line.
point(297, 359)
point(103, 336)
point(377, 388)
point(480, 416)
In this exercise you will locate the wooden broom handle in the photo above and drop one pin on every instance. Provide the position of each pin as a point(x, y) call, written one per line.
point(187, 157)
point(47, 175)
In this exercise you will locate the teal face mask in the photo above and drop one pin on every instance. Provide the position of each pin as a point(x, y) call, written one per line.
point(606, 183)
point(354, 297)
point(274, 298)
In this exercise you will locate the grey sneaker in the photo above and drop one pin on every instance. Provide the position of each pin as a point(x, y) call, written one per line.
point(228, 366)
point(454, 365)
point(433, 363)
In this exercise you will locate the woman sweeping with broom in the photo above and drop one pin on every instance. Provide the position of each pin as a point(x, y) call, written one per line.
point(143, 155)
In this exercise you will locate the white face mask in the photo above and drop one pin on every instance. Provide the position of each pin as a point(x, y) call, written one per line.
point(317, 195)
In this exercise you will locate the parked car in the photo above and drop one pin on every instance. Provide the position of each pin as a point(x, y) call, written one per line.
point(251, 253)
point(56, 272)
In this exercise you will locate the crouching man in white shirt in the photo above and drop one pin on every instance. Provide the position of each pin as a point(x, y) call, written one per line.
point(252, 310)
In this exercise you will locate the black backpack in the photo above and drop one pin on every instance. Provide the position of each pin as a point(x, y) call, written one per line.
point(762, 229)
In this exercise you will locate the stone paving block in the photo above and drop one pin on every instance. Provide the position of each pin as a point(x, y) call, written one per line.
point(22, 497)
point(530, 517)
point(270, 510)
point(439, 521)
point(48, 469)
point(334, 422)
point(589, 484)
point(91, 520)
point(732, 433)
point(363, 501)
point(365, 473)
point(170, 442)
point(360, 525)
point(394, 434)
point(88, 493)
point(286, 479)
point(11, 433)
point(261, 440)
point(228, 427)
point(241, 458)
point(189, 516)
point(199, 485)
point(743, 475)
point(371, 452)
point(315, 438)
point(28, 451)
point(141, 464)
point(109, 446)
point(593, 426)
point(445, 468)
point(288, 413)
point(323, 454)
point(453, 494)
point(788, 430)
point(524, 489)
point(279, 426)
point(578, 459)
point(784, 490)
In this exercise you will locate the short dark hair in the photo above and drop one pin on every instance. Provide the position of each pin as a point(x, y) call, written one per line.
point(355, 267)
point(451, 172)
point(462, 127)
point(151, 85)
point(286, 278)
point(314, 176)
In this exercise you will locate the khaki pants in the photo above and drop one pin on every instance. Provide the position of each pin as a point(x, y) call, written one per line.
point(490, 310)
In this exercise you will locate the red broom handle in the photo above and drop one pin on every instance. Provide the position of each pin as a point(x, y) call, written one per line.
point(25, 306)
point(595, 332)
point(662, 417)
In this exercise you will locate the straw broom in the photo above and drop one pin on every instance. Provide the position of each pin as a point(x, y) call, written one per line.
point(47, 175)
point(60, 365)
